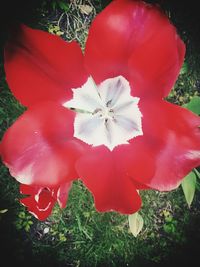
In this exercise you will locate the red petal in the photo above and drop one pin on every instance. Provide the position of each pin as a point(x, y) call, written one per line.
point(134, 39)
point(29, 190)
point(41, 66)
point(39, 148)
point(45, 197)
point(171, 142)
point(140, 186)
point(62, 194)
point(112, 189)
point(136, 161)
point(41, 200)
point(32, 206)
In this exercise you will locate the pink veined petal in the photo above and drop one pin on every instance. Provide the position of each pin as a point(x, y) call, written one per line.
point(40, 66)
point(112, 189)
point(171, 142)
point(136, 40)
point(39, 148)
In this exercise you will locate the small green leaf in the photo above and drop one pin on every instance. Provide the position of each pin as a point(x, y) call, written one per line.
point(169, 219)
point(197, 173)
point(194, 105)
point(188, 185)
point(184, 69)
point(136, 223)
point(169, 228)
point(3, 211)
point(54, 5)
point(64, 6)
point(27, 228)
point(22, 215)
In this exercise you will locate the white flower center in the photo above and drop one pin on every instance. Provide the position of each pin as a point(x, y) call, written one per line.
point(107, 114)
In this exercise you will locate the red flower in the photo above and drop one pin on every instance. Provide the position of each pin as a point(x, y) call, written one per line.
point(123, 135)
point(41, 200)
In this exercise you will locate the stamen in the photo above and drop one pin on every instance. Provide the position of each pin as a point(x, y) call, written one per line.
point(108, 104)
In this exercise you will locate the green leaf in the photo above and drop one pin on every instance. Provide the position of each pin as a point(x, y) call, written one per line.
point(188, 185)
point(197, 173)
point(27, 228)
point(194, 105)
point(184, 69)
point(169, 219)
point(3, 211)
point(169, 228)
point(64, 6)
point(54, 5)
point(136, 223)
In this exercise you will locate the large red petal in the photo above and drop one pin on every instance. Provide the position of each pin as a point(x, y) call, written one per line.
point(41, 66)
point(136, 160)
point(171, 142)
point(112, 189)
point(136, 40)
point(39, 148)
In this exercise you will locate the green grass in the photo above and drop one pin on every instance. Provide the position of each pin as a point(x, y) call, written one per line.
point(94, 238)
point(79, 235)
